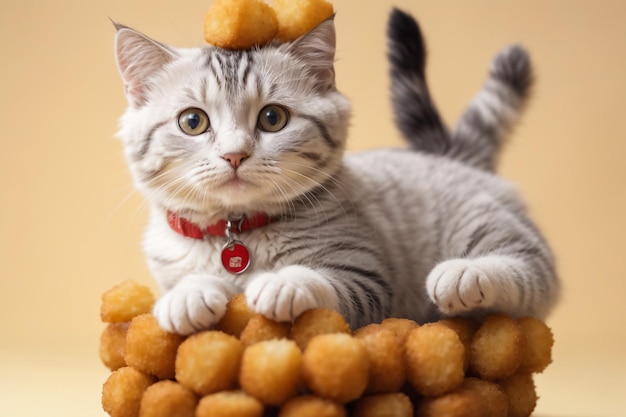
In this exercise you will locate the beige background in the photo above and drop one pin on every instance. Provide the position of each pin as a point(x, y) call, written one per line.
point(71, 224)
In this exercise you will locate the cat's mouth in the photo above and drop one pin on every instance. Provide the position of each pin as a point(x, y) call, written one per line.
point(236, 182)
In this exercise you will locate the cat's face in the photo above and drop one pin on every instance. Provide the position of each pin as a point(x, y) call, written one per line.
point(217, 132)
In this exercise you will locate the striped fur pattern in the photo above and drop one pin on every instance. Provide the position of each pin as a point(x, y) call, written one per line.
point(417, 234)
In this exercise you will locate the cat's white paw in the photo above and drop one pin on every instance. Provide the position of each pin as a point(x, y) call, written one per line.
point(287, 293)
point(195, 303)
point(460, 285)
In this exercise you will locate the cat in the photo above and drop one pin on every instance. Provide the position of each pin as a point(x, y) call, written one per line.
point(241, 156)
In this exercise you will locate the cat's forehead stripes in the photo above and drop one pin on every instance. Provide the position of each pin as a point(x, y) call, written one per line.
point(230, 69)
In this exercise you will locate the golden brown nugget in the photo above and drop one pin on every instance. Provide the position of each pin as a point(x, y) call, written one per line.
point(315, 322)
point(270, 371)
point(401, 327)
point(465, 327)
point(383, 405)
point(336, 366)
point(520, 388)
point(229, 404)
point(236, 317)
point(298, 17)
point(539, 342)
point(435, 357)
point(123, 390)
point(386, 355)
point(209, 361)
point(312, 406)
point(240, 24)
point(494, 401)
point(112, 342)
point(498, 348)
point(151, 349)
point(166, 399)
point(125, 301)
point(458, 403)
point(260, 328)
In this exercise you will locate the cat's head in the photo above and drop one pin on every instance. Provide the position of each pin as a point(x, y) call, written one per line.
point(215, 132)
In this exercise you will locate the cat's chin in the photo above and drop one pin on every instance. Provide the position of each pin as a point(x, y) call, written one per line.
point(241, 194)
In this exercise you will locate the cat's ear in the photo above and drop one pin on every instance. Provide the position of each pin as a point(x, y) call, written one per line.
point(138, 59)
point(317, 50)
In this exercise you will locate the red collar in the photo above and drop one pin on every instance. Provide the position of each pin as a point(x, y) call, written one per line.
point(189, 229)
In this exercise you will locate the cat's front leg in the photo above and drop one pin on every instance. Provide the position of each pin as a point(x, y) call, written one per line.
point(195, 303)
point(285, 294)
point(490, 282)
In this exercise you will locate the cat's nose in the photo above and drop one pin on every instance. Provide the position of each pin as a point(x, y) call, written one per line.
point(235, 159)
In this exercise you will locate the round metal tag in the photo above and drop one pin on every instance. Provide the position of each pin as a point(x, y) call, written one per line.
point(235, 257)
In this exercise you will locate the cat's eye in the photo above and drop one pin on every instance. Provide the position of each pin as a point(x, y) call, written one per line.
point(273, 118)
point(193, 121)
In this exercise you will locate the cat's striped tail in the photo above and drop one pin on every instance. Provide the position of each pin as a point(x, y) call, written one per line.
point(415, 113)
point(487, 120)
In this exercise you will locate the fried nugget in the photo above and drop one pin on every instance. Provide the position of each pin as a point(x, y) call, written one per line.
point(465, 327)
point(458, 403)
point(229, 404)
point(236, 317)
point(336, 366)
point(270, 370)
point(383, 405)
point(435, 357)
point(401, 327)
point(125, 301)
point(494, 401)
point(112, 342)
point(539, 342)
point(386, 356)
point(151, 349)
point(312, 406)
point(209, 361)
point(315, 322)
point(123, 390)
point(298, 17)
point(166, 399)
point(260, 328)
point(520, 389)
point(498, 348)
point(240, 24)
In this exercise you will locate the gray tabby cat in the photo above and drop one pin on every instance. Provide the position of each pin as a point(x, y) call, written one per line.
point(241, 157)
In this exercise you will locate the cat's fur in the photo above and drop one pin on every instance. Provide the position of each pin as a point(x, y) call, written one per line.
point(407, 233)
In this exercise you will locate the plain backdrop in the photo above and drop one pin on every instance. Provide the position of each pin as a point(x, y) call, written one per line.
point(71, 224)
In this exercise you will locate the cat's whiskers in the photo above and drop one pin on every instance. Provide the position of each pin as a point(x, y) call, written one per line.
point(329, 178)
point(304, 194)
point(120, 204)
point(286, 205)
point(174, 186)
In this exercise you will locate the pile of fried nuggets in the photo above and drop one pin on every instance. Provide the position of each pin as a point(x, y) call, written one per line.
point(250, 366)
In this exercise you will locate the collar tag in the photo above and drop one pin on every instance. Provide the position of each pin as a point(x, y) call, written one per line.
point(235, 255)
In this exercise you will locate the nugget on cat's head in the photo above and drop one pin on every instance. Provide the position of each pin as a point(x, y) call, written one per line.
point(244, 24)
